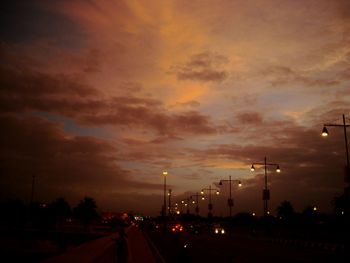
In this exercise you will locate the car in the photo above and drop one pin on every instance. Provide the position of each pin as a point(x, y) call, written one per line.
point(218, 229)
point(177, 228)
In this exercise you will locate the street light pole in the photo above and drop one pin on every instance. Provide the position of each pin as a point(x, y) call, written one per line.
point(230, 200)
point(197, 207)
point(169, 202)
point(165, 173)
point(266, 191)
point(210, 205)
point(32, 193)
point(325, 134)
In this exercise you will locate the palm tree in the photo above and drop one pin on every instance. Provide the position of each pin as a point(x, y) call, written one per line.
point(59, 211)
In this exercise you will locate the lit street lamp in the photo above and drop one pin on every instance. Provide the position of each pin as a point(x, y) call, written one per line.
point(196, 202)
point(210, 205)
point(169, 202)
point(230, 200)
point(266, 191)
point(325, 133)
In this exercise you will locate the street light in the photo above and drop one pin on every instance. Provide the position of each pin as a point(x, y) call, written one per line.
point(210, 205)
point(165, 173)
point(325, 133)
point(266, 191)
point(196, 202)
point(169, 202)
point(230, 200)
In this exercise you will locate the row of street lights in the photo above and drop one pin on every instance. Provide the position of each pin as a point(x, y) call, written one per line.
point(266, 191)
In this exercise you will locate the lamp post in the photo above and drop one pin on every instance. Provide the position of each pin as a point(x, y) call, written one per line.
point(32, 193)
point(325, 133)
point(165, 173)
point(230, 200)
point(197, 197)
point(169, 202)
point(266, 191)
point(186, 203)
point(210, 205)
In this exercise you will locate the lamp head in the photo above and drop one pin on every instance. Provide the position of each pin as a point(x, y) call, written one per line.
point(278, 170)
point(324, 132)
point(165, 173)
point(217, 192)
point(202, 192)
point(239, 184)
point(220, 183)
point(252, 168)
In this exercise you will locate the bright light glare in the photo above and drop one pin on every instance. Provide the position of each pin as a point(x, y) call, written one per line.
point(217, 192)
point(324, 132)
point(278, 170)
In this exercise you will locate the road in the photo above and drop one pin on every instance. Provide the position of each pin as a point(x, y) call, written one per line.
point(233, 249)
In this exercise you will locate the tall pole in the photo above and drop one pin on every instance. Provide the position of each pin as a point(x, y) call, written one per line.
point(265, 197)
point(230, 206)
point(169, 201)
point(32, 193)
point(347, 167)
point(164, 201)
point(346, 144)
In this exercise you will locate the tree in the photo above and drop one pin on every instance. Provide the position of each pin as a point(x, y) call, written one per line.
point(59, 210)
point(285, 210)
point(86, 210)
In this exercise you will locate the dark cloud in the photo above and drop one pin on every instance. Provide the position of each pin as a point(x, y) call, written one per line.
point(62, 163)
point(249, 118)
point(204, 66)
point(24, 90)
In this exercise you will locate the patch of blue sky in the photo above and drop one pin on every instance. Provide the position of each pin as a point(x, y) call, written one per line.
point(70, 126)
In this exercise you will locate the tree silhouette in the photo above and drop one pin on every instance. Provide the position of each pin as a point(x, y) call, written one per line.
point(285, 210)
point(59, 211)
point(86, 210)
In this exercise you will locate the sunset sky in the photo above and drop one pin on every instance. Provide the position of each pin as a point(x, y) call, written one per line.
point(98, 97)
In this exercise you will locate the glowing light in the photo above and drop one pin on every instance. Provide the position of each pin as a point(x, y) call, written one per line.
point(324, 132)
point(278, 170)
point(239, 184)
point(252, 168)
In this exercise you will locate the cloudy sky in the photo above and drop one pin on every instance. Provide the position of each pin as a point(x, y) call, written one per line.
point(97, 98)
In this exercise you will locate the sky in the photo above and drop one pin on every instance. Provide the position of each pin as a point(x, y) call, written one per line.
point(98, 98)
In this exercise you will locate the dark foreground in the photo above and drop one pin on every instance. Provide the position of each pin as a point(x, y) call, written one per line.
point(208, 247)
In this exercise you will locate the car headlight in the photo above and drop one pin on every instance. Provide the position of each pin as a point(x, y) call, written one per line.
point(216, 231)
point(222, 231)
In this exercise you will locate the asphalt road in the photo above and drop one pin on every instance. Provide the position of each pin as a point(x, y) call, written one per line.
point(230, 248)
